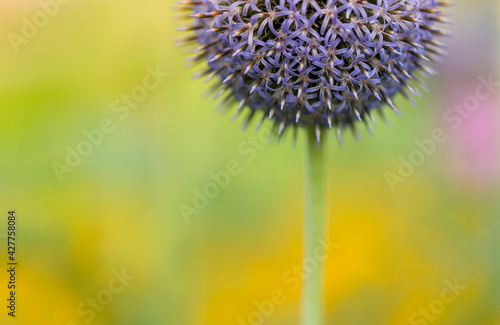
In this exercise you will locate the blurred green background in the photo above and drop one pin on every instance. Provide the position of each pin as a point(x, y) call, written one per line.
point(118, 209)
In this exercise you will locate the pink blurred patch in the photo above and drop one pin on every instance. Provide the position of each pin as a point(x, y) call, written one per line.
point(474, 155)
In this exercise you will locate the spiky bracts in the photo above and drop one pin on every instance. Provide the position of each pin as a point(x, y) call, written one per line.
point(310, 62)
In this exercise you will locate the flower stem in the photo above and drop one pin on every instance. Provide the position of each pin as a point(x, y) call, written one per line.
point(315, 183)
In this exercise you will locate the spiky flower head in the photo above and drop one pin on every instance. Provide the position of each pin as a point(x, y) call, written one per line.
point(319, 63)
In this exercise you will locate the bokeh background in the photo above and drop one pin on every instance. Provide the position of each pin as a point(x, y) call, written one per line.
point(119, 208)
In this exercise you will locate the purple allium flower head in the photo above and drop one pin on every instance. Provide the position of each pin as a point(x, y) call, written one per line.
point(321, 63)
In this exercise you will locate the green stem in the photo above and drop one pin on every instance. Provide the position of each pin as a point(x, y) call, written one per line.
point(315, 182)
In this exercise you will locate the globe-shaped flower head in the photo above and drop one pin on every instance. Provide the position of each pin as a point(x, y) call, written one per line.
point(314, 62)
